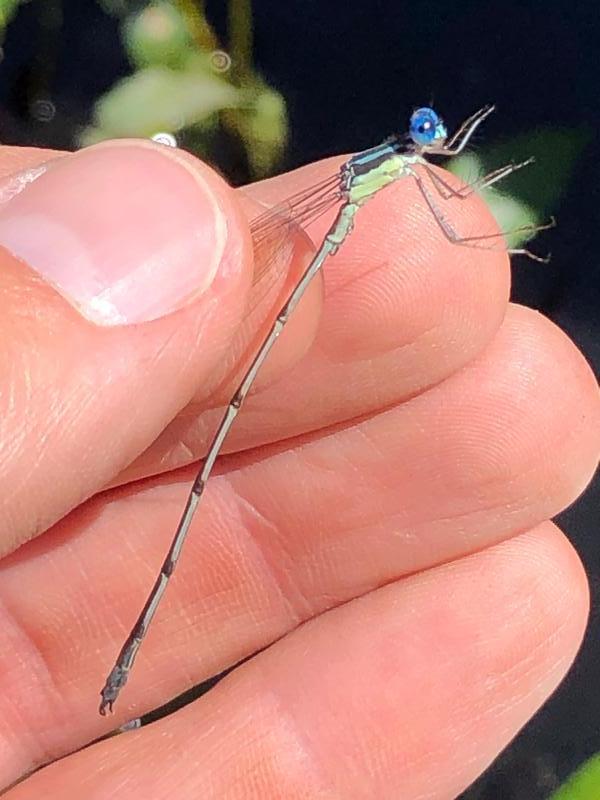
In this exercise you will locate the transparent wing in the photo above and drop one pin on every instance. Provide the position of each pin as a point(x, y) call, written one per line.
point(282, 250)
point(298, 209)
point(275, 231)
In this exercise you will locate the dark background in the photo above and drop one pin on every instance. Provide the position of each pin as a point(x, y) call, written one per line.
point(351, 73)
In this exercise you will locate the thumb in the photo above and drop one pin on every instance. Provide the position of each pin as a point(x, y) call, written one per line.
point(124, 276)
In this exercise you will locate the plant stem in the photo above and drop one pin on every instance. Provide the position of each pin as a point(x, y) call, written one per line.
point(194, 14)
point(240, 38)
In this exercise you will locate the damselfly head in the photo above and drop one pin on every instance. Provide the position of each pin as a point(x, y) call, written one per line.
point(427, 129)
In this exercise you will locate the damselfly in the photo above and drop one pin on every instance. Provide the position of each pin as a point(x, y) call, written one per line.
point(357, 181)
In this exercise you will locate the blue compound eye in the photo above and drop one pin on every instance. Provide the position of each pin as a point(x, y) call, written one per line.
point(426, 127)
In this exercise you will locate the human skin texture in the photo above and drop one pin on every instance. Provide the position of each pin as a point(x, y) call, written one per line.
point(379, 528)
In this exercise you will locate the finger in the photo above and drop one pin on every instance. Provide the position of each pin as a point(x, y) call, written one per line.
point(410, 691)
point(18, 167)
point(126, 273)
point(285, 538)
point(404, 308)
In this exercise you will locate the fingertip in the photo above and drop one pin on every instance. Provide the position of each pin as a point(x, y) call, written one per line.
point(126, 231)
point(552, 375)
point(564, 588)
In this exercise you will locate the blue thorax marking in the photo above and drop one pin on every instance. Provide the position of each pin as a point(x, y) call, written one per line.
point(370, 159)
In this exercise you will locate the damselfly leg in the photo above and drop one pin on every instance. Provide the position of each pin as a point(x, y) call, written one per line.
point(482, 241)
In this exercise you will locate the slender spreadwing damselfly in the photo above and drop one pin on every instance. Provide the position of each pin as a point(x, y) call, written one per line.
point(356, 182)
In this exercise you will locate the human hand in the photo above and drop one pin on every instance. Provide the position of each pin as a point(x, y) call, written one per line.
point(389, 485)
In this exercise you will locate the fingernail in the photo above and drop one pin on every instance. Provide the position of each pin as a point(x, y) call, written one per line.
point(127, 233)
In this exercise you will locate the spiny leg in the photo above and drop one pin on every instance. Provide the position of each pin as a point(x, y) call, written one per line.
point(445, 190)
point(459, 141)
point(477, 241)
point(475, 118)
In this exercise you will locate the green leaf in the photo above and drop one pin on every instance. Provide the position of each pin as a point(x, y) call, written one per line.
point(157, 36)
point(7, 11)
point(584, 784)
point(184, 84)
point(542, 184)
point(262, 125)
point(530, 195)
point(159, 99)
point(510, 211)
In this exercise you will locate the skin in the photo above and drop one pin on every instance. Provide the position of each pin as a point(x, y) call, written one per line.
point(381, 519)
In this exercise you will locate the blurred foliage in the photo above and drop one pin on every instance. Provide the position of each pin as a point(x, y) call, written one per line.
point(184, 84)
point(7, 10)
point(583, 784)
point(531, 194)
point(509, 210)
point(214, 103)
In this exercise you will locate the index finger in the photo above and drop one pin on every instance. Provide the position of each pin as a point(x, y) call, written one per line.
point(404, 308)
